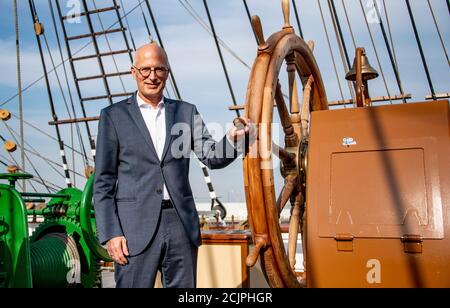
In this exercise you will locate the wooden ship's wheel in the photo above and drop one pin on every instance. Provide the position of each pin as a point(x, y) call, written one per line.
point(264, 94)
point(376, 181)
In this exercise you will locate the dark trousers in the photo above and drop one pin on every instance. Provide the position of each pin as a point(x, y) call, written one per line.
point(171, 252)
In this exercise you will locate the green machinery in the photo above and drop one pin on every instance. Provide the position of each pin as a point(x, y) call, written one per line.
point(63, 250)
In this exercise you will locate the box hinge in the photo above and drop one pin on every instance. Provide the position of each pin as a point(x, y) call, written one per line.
point(344, 242)
point(412, 243)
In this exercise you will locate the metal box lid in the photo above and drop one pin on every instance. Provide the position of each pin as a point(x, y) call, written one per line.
point(379, 171)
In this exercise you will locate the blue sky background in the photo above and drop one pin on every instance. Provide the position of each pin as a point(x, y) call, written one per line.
point(196, 65)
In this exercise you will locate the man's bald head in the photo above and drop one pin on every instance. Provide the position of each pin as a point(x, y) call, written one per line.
point(150, 50)
point(150, 70)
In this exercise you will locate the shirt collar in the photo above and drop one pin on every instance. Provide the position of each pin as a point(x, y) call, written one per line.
point(142, 104)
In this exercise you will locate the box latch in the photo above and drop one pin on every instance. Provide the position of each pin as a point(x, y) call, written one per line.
point(412, 243)
point(344, 242)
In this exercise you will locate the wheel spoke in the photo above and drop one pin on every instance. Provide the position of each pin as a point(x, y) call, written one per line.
point(293, 93)
point(306, 103)
point(289, 186)
point(282, 154)
point(294, 224)
point(291, 138)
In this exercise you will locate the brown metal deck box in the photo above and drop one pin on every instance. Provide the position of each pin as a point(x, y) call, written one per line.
point(378, 212)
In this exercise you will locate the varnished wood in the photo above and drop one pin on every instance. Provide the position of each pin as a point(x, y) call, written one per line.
point(293, 94)
point(262, 91)
point(289, 187)
point(291, 139)
point(5, 115)
point(257, 28)
point(285, 156)
point(306, 106)
point(438, 96)
point(373, 99)
point(260, 243)
point(210, 236)
point(71, 121)
point(286, 11)
point(359, 81)
point(294, 230)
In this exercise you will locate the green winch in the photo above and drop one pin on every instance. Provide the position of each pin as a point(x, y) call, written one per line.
point(63, 250)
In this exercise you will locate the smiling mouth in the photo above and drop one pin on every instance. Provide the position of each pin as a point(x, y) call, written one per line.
point(153, 86)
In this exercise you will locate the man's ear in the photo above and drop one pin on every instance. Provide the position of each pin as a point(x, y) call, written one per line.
point(133, 72)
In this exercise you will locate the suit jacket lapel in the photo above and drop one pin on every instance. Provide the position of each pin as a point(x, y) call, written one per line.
point(169, 107)
point(140, 123)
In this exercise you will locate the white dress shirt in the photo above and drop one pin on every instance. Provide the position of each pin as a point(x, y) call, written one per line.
point(155, 119)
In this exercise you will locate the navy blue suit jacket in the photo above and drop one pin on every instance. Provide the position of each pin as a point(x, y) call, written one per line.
point(129, 176)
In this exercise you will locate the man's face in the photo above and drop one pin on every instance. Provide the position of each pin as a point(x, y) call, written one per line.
point(150, 71)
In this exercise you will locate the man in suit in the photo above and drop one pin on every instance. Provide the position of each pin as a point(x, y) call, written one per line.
point(144, 208)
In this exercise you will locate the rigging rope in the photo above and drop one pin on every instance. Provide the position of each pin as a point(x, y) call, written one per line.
point(3, 163)
point(77, 87)
point(298, 19)
point(124, 34)
point(25, 155)
point(49, 136)
point(422, 55)
point(221, 57)
point(188, 7)
point(331, 52)
point(94, 40)
point(47, 160)
point(67, 59)
point(338, 30)
point(172, 81)
point(13, 162)
point(128, 25)
point(249, 18)
point(349, 25)
point(19, 87)
point(110, 49)
point(45, 183)
point(393, 63)
point(61, 89)
point(376, 51)
point(390, 33)
point(57, 75)
point(207, 178)
point(193, 14)
point(155, 26)
point(342, 48)
point(256, 38)
point(52, 106)
point(150, 36)
point(438, 31)
point(80, 137)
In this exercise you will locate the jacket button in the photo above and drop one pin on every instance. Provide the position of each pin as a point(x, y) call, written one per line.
point(159, 191)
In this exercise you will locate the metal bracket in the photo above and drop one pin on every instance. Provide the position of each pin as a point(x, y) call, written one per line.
point(344, 242)
point(412, 243)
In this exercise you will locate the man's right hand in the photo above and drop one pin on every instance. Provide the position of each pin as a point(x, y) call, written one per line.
point(118, 249)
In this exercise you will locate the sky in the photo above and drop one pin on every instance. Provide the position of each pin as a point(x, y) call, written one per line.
point(196, 65)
